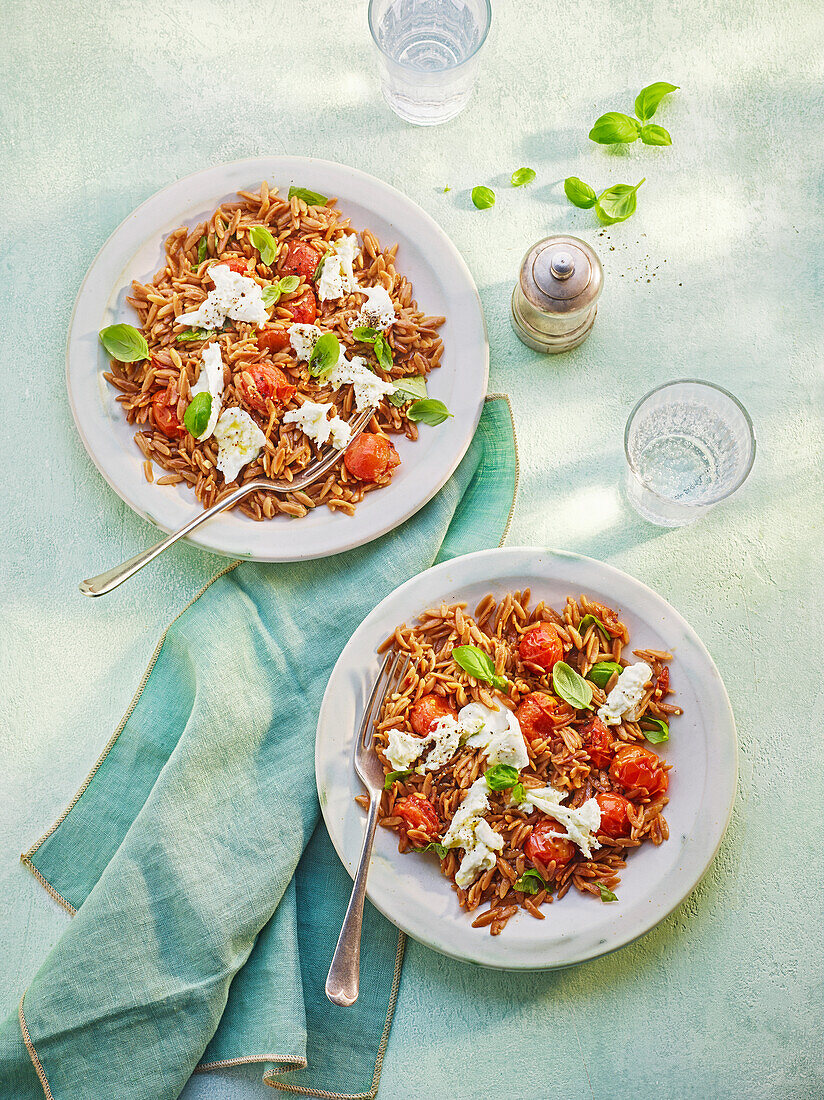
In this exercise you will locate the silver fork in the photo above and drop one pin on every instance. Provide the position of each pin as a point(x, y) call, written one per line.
point(343, 980)
point(108, 581)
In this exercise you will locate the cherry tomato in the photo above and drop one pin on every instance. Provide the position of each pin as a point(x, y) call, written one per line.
point(418, 813)
point(427, 712)
point(662, 681)
point(263, 381)
point(538, 714)
point(273, 339)
point(634, 766)
point(164, 410)
point(614, 817)
point(544, 845)
point(598, 742)
point(609, 618)
point(238, 264)
point(301, 259)
point(371, 456)
point(304, 308)
point(541, 646)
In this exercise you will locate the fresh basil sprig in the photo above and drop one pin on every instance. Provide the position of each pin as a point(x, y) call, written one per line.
point(325, 355)
point(616, 204)
point(190, 334)
point(478, 664)
point(365, 334)
point(606, 893)
point(311, 198)
point(602, 672)
point(197, 414)
point(483, 197)
point(202, 252)
point(429, 411)
point(383, 352)
point(571, 686)
point(530, 882)
point(522, 176)
point(579, 193)
point(265, 243)
point(319, 268)
point(272, 292)
point(616, 128)
point(588, 621)
point(659, 731)
point(393, 776)
point(502, 777)
point(124, 343)
point(433, 846)
point(408, 389)
point(647, 100)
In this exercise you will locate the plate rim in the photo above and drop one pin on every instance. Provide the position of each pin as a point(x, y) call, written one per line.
point(693, 880)
point(201, 538)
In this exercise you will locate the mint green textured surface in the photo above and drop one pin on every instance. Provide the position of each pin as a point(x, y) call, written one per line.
point(718, 276)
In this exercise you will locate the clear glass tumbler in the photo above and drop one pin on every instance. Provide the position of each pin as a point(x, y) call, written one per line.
point(428, 54)
point(689, 445)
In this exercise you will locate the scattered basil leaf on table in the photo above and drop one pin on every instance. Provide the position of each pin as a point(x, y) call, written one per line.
point(579, 193)
point(311, 198)
point(392, 776)
point(522, 176)
point(433, 846)
point(325, 355)
point(587, 622)
point(601, 672)
point(571, 686)
point(615, 128)
point(659, 731)
point(264, 242)
point(190, 334)
point(408, 389)
point(606, 893)
point(429, 411)
point(483, 197)
point(617, 203)
point(124, 343)
point(478, 664)
point(197, 414)
point(655, 135)
point(446, 189)
point(530, 882)
point(501, 777)
point(647, 100)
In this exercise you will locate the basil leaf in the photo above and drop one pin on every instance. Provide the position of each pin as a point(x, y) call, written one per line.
point(408, 389)
point(501, 777)
point(647, 100)
point(124, 343)
point(311, 198)
point(446, 189)
point(659, 731)
point(383, 353)
point(518, 794)
point(271, 295)
point(365, 334)
point(325, 355)
point(202, 249)
point(430, 411)
point(483, 197)
point(319, 268)
point(601, 672)
point(289, 283)
point(587, 622)
point(530, 882)
point(197, 413)
point(392, 776)
point(265, 243)
point(433, 846)
point(655, 135)
point(617, 203)
point(572, 687)
point(478, 664)
point(606, 893)
point(579, 193)
point(522, 176)
point(195, 334)
point(615, 128)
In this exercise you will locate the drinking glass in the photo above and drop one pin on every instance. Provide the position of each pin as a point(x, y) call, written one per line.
point(688, 445)
point(428, 54)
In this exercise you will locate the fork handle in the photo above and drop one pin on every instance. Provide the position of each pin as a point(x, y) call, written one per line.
point(343, 980)
point(108, 581)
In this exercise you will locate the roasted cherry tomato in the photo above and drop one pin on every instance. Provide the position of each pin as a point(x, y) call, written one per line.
point(609, 618)
point(301, 259)
point(418, 813)
point(164, 410)
point(261, 382)
point(634, 766)
point(304, 308)
point(273, 339)
point(538, 714)
point(427, 712)
point(598, 742)
point(614, 817)
point(541, 646)
point(662, 682)
point(237, 263)
point(371, 456)
point(544, 845)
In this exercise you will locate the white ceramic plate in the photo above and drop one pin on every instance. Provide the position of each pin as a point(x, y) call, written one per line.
point(410, 890)
point(442, 285)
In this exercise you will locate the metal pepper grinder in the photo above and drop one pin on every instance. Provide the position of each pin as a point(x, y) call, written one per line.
point(556, 297)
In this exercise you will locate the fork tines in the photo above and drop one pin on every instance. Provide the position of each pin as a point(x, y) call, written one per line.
point(390, 676)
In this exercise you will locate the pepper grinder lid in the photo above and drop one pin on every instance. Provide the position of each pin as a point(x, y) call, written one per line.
point(561, 275)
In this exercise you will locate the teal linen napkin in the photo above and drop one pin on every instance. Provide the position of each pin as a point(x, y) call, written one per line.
point(208, 897)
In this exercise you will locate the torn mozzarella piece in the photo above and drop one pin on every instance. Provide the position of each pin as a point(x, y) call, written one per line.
point(469, 830)
point(312, 418)
point(303, 339)
point(404, 748)
point(581, 823)
point(377, 311)
point(337, 277)
point(498, 732)
point(210, 381)
point(235, 296)
point(239, 442)
point(628, 692)
point(368, 388)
